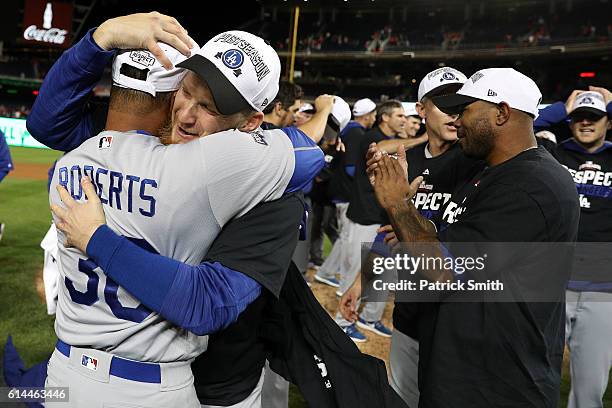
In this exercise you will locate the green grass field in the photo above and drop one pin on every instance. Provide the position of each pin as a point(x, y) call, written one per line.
point(34, 156)
point(25, 211)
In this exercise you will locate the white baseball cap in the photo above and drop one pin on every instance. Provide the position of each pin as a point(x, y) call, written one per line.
point(495, 85)
point(340, 114)
point(241, 70)
point(441, 77)
point(140, 70)
point(591, 102)
point(363, 107)
point(410, 109)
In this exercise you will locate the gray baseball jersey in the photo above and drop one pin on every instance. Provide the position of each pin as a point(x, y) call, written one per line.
point(172, 200)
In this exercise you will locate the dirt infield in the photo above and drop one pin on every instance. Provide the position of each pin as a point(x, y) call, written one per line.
point(30, 171)
point(376, 345)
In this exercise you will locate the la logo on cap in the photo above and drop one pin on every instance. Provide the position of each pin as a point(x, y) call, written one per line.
point(448, 76)
point(232, 58)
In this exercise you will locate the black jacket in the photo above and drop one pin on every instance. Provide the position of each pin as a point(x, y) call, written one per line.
point(311, 351)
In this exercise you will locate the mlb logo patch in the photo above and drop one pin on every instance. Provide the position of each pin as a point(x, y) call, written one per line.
point(89, 362)
point(105, 142)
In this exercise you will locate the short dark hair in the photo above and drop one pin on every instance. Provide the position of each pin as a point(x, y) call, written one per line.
point(387, 108)
point(136, 102)
point(288, 93)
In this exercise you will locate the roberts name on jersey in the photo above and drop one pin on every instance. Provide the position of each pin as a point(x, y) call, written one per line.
point(126, 192)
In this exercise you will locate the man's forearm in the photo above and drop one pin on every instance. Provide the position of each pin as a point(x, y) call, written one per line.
point(391, 146)
point(410, 225)
point(315, 127)
point(418, 236)
point(549, 116)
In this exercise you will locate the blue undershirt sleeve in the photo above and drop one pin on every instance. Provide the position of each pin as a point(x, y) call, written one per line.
point(203, 299)
point(550, 115)
point(309, 160)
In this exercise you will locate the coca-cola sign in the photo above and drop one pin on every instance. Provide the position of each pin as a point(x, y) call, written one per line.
point(53, 35)
point(47, 22)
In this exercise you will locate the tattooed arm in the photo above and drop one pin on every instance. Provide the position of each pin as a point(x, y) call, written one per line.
point(417, 235)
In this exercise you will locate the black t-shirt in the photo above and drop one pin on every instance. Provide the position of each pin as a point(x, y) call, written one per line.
point(442, 175)
point(363, 208)
point(549, 145)
point(483, 354)
point(259, 244)
point(341, 182)
point(320, 189)
point(592, 174)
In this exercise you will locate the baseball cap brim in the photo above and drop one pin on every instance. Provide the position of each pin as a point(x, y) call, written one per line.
point(333, 123)
point(452, 104)
point(594, 111)
point(227, 98)
point(445, 89)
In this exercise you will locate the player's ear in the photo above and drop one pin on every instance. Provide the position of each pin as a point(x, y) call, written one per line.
point(502, 113)
point(278, 108)
point(252, 122)
point(420, 108)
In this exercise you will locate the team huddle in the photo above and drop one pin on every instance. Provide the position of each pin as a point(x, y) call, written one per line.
point(178, 218)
